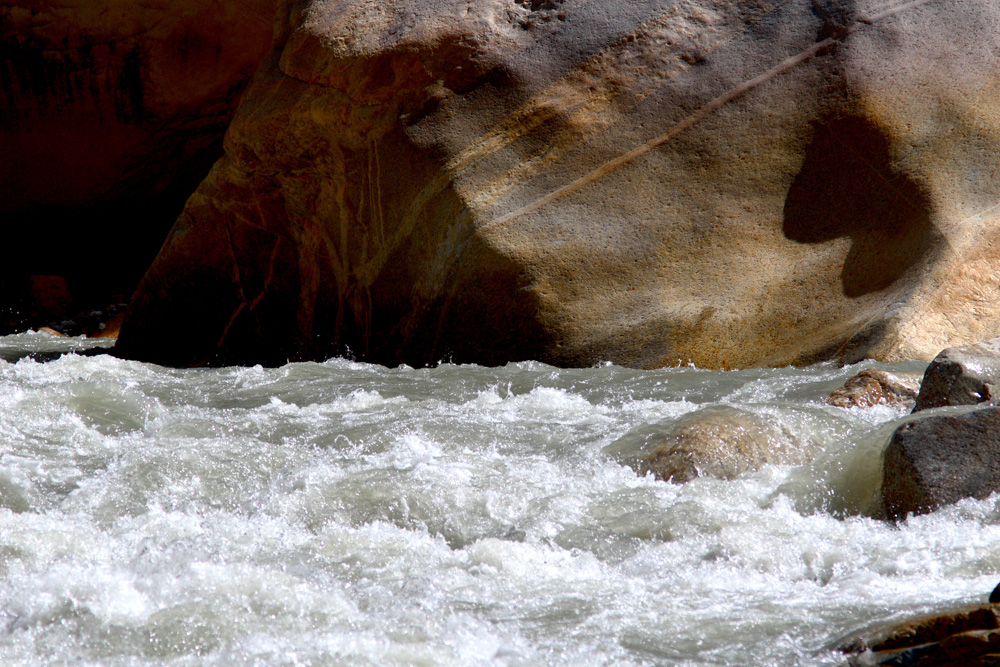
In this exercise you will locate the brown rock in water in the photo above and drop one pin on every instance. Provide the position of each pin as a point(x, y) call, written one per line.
point(965, 375)
point(110, 328)
point(873, 387)
point(968, 636)
point(719, 442)
point(720, 182)
point(941, 459)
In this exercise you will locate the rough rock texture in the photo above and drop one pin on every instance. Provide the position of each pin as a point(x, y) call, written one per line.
point(724, 182)
point(113, 111)
point(940, 459)
point(964, 637)
point(717, 442)
point(962, 376)
point(873, 387)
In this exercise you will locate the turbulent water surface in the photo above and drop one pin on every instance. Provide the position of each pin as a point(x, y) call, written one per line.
point(344, 513)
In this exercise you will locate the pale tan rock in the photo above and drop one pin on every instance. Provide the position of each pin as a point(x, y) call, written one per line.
point(713, 181)
point(873, 387)
point(717, 442)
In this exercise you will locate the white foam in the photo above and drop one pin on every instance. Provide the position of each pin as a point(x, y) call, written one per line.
point(348, 513)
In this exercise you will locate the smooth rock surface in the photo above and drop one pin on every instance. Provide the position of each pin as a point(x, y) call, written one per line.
point(961, 376)
point(718, 442)
point(941, 459)
point(652, 182)
point(873, 387)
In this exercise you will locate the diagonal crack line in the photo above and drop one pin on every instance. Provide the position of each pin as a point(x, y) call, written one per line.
point(709, 108)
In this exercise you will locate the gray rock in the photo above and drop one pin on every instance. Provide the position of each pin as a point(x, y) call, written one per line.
point(941, 459)
point(961, 376)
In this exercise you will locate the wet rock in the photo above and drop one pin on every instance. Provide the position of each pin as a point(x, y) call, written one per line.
point(941, 459)
point(873, 387)
point(718, 442)
point(50, 331)
point(964, 375)
point(727, 183)
point(99, 323)
point(967, 636)
point(109, 328)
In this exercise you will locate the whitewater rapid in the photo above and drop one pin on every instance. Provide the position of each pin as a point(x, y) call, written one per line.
point(342, 513)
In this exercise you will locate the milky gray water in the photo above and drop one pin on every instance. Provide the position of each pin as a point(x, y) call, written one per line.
point(342, 513)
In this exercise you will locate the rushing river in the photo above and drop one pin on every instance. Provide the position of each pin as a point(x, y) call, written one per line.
point(344, 513)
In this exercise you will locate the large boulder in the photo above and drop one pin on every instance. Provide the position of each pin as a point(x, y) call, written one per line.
point(714, 181)
point(965, 375)
point(941, 459)
point(113, 111)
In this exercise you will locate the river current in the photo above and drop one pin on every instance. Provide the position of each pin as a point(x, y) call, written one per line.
point(342, 513)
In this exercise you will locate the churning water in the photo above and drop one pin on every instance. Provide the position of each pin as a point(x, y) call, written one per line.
point(344, 513)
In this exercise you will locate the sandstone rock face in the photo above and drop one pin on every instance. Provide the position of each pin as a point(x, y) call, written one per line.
point(939, 460)
point(962, 376)
point(113, 111)
point(717, 442)
point(959, 638)
point(715, 181)
point(873, 387)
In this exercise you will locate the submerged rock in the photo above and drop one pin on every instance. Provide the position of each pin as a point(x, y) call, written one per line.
point(717, 442)
point(962, 376)
point(941, 459)
point(873, 387)
point(729, 183)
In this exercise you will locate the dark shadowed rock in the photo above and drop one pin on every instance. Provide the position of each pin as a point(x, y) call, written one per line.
point(731, 183)
point(873, 387)
point(103, 98)
point(964, 375)
point(938, 460)
point(112, 112)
